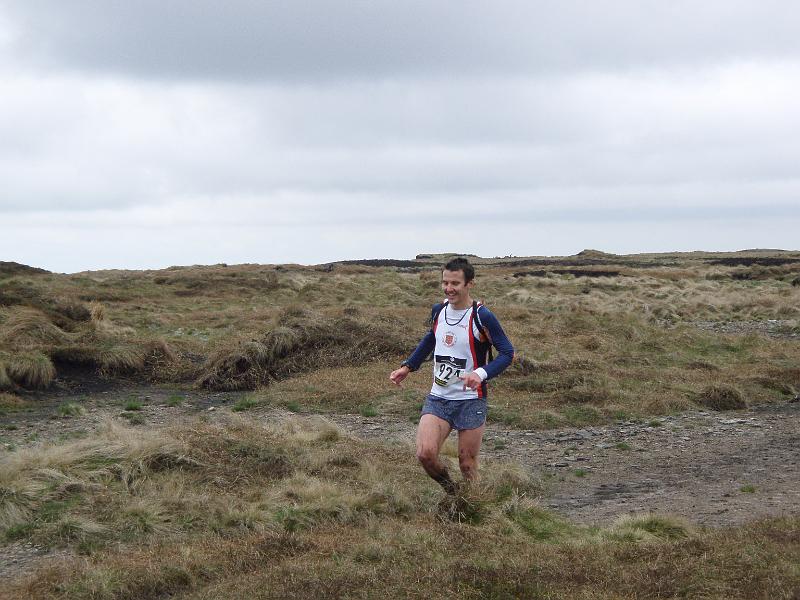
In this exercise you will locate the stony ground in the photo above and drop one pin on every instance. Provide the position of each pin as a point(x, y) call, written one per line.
point(711, 469)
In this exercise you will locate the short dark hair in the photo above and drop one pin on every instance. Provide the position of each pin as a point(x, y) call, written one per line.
point(461, 264)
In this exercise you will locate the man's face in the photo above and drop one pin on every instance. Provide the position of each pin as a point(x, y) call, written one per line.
point(455, 289)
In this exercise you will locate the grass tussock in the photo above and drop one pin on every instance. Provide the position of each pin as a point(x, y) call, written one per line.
point(117, 356)
point(26, 327)
point(648, 528)
point(101, 323)
point(29, 369)
point(722, 397)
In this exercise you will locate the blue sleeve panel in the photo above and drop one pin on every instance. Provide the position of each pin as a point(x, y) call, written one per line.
point(426, 345)
point(499, 340)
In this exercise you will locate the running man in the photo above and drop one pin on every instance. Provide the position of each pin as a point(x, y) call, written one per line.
point(461, 336)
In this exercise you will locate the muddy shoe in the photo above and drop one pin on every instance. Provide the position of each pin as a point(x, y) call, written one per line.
point(449, 486)
point(463, 506)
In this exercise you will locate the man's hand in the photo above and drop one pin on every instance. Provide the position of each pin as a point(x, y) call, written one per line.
point(398, 375)
point(471, 380)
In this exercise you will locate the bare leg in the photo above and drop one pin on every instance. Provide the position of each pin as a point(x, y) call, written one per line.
point(469, 444)
point(431, 434)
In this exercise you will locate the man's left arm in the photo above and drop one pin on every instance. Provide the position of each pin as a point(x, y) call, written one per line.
point(500, 341)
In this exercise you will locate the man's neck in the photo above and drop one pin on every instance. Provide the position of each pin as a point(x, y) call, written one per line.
point(462, 305)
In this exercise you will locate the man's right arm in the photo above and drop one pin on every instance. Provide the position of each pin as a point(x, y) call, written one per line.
point(423, 349)
point(413, 362)
point(426, 344)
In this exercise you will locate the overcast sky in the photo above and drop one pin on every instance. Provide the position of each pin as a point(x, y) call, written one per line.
point(143, 134)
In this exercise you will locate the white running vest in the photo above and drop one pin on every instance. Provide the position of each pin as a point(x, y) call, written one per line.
point(454, 355)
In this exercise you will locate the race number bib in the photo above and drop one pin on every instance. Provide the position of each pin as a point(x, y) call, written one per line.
point(447, 369)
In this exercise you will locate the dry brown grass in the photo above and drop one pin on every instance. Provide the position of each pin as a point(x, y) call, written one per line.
point(10, 401)
point(101, 323)
point(722, 397)
point(30, 343)
point(303, 342)
point(26, 327)
point(28, 368)
point(6, 384)
point(200, 511)
point(622, 345)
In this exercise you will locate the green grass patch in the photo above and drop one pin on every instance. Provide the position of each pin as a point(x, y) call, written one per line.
point(368, 411)
point(581, 415)
point(134, 418)
point(246, 403)
point(292, 405)
point(539, 524)
point(70, 409)
point(648, 528)
point(175, 400)
point(19, 531)
point(133, 405)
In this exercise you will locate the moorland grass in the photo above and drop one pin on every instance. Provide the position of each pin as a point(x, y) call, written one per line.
point(29, 369)
point(324, 339)
point(70, 409)
point(298, 509)
point(10, 402)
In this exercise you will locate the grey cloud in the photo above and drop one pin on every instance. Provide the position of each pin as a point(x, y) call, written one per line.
point(87, 144)
point(166, 132)
point(322, 40)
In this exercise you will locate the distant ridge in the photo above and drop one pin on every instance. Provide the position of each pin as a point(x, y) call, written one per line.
point(7, 269)
point(589, 253)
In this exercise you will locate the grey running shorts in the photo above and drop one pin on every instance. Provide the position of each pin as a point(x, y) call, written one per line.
point(461, 414)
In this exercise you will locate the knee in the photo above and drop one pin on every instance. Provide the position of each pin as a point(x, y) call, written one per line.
point(468, 463)
point(426, 456)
